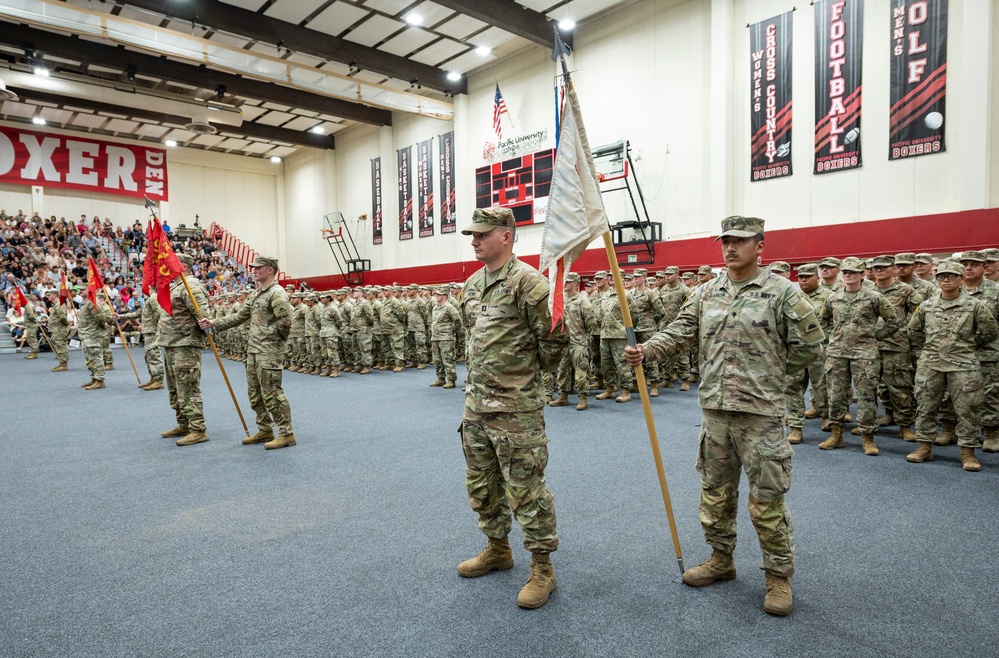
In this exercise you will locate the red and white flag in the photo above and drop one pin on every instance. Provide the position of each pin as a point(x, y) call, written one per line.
point(576, 214)
point(499, 109)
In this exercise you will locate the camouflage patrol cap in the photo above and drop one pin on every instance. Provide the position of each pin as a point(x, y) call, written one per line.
point(310, 297)
point(830, 261)
point(412, 286)
point(688, 275)
point(289, 287)
point(424, 287)
point(883, 261)
point(328, 294)
point(265, 261)
point(629, 277)
point(780, 266)
point(924, 258)
point(672, 269)
point(52, 291)
point(991, 255)
point(808, 269)
point(602, 274)
point(572, 276)
point(948, 266)
point(869, 263)
point(905, 258)
point(641, 271)
point(704, 269)
point(741, 227)
point(486, 219)
point(853, 264)
point(186, 259)
point(975, 256)
point(661, 274)
point(443, 290)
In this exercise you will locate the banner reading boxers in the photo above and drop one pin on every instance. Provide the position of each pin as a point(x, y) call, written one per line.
point(839, 37)
point(770, 91)
point(376, 200)
point(449, 220)
point(918, 78)
point(425, 187)
point(405, 194)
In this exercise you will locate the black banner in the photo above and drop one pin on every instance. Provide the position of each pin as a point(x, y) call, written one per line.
point(405, 193)
point(770, 96)
point(839, 39)
point(918, 78)
point(449, 220)
point(376, 200)
point(425, 187)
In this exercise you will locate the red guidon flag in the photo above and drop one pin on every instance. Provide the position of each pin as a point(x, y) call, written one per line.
point(94, 281)
point(19, 301)
point(147, 265)
point(63, 288)
point(163, 265)
point(575, 214)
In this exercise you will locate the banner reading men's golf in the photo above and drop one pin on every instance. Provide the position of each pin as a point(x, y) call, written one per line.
point(839, 38)
point(449, 219)
point(918, 78)
point(425, 188)
point(770, 102)
point(405, 193)
point(376, 200)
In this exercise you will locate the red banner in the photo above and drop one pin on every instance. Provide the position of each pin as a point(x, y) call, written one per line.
point(33, 158)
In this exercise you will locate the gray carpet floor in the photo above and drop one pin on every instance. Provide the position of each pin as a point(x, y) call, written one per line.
point(115, 542)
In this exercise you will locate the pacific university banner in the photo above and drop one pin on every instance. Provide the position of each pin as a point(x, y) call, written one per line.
point(839, 37)
point(425, 187)
point(918, 78)
point(449, 220)
point(33, 158)
point(770, 97)
point(405, 193)
point(376, 200)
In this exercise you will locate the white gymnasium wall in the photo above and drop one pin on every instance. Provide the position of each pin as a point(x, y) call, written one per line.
point(309, 192)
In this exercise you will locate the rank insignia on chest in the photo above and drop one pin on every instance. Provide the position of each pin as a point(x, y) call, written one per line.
point(482, 308)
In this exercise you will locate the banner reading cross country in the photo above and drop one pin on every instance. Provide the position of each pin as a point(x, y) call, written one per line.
point(449, 221)
point(405, 193)
point(770, 97)
point(425, 187)
point(376, 200)
point(918, 78)
point(839, 37)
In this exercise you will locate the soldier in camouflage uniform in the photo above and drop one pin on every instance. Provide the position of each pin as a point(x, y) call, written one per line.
point(393, 320)
point(754, 328)
point(951, 327)
point(329, 318)
point(443, 330)
point(647, 314)
point(269, 315)
point(612, 341)
point(781, 268)
point(992, 264)
point(106, 353)
point(150, 318)
point(673, 295)
point(579, 320)
point(905, 265)
point(183, 341)
point(348, 337)
point(924, 268)
point(814, 373)
point(31, 328)
point(829, 272)
point(297, 334)
point(509, 329)
point(416, 329)
point(311, 358)
point(855, 319)
point(362, 321)
point(93, 322)
point(58, 330)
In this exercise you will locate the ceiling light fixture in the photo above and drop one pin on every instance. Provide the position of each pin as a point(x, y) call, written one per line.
point(414, 19)
point(41, 71)
point(38, 121)
point(453, 76)
point(170, 143)
point(275, 159)
point(566, 24)
point(130, 72)
point(317, 130)
point(482, 51)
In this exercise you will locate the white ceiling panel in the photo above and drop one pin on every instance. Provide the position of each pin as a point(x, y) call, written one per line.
point(291, 11)
point(461, 26)
point(470, 61)
point(336, 18)
point(207, 140)
point(388, 6)
point(494, 37)
point(300, 123)
point(433, 13)
point(89, 120)
point(121, 125)
point(257, 148)
point(229, 40)
point(276, 106)
point(442, 51)
point(181, 135)
point(283, 151)
point(274, 118)
point(233, 143)
point(250, 112)
point(252, 5)
point(542, 6)
point(55, 115)
point(40, 103)
point(78, 109)
point(19, 109)
point(374, 30)
point(577, 10)
point(152, 131)
point(408, 41)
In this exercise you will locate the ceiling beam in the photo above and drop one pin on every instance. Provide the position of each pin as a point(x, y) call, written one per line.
point(258, 27)
point(510, 16)
point(250, 129)
point(90, 52)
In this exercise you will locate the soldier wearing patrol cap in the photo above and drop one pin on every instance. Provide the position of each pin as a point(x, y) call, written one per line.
point(573, 370)
point(601, 279)
point(981, 289)
point(647, 314)
point(362, 322)
point(311, 356)
point(754, 329)
point(296, 336)
point(510, 340)
point(704, 274)
point(905, 265)
point(991, 264)
point(781, 268)
point(924, 267)
point(443, 329)
point(829, 273)
point(814, 374)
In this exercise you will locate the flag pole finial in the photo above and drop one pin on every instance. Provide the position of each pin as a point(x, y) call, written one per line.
point(560, 51)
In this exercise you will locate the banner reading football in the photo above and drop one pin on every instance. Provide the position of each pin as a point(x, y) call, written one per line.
point(839, 38)
point(449, 220)
point(425, 187)
point(33, 158)
point(376, 200)
point(405, 194)
point(918, 78)
point(770, 109)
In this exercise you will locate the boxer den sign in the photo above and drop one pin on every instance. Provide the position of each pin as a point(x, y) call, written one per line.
point(33, 158)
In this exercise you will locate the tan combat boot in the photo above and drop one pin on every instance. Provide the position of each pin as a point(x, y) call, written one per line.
point(856, 432)
point(32, 355)
point(811, 413)
point(946, 435)
point(97, 385)
point(924, 453)
point(582, 406)
point(449, 384)
point(968, 460)
point(561, 401)
point(151, 380)
point(192, 438)
point(654, 391)
point(795, 437)
point(540, 584)
point(991, 443)
point(62, 367)
point(92, 380)
point(598, 383)
point(282, 441)
point(847, 418)
point(155, 386)
point(607, 394)
point(870, 449)
point(335, 373)
point(685, 385)
point(834, 441)
point(825, 425)
point(109, 367)
point(324, 372)
point(364, 371)
point(259, 437)
point(778, 600)
point(625, 395)
point(906, 433)
point(421, 366)
point(180, 430)
point(548, 398)
point(497, 556)
point(397, 369)
point(887, 420)
point(437, 382)
point(695, 379)
point(667, 383)
point(717, 567)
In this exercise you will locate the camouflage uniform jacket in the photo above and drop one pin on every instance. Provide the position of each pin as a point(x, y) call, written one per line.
point(58, 321)
point(269, 313)
point(579, 319)
point(596, 310)
point(150, 316)
point(414, 316)
point(182, 329)
point(750, 336)
point(444, 322)
point(673, 298)
point(988, 294)
point(298, 320)
point(905, 300)
point(510, 338)
point(330, 321)
point(851, 320)
point(817, 298)
point(93, 322)
point(836, 287)
point(951, 331)
point(647, 311)
point(361, 315)
point(376, 308)
point(611, 318)
point(312, 320)
point(393, 316)
point(30, 319)
point(925, 288)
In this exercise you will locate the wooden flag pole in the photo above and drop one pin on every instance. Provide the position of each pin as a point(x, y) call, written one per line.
point(124, 342)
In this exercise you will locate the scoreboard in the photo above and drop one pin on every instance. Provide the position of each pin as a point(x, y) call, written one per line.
point(520, 184)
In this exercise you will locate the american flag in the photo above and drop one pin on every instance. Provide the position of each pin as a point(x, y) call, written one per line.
point(499, 109)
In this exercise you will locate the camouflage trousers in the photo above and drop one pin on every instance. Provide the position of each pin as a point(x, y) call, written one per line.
point(444, 360)
point(965, 390)
point(990, 402)
point(331, 351)
point(154, 360)
point(795, 386)
point(394, 349)
point(548, 382)
point(573, 369)
point(183, 380)
point(106, 350)
point(293, 350)
point(864, 373)
point(596, 367)
point(693, 358)
point(734, 441)
point(95, 362)
point(505, 459)
point(312, 351)
point(60, 343)
point(267, 398)
point(652, 369)
point(897, 380)
point(365, 344)
point(31, 336)
point(414, 346)
point(616, 369)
